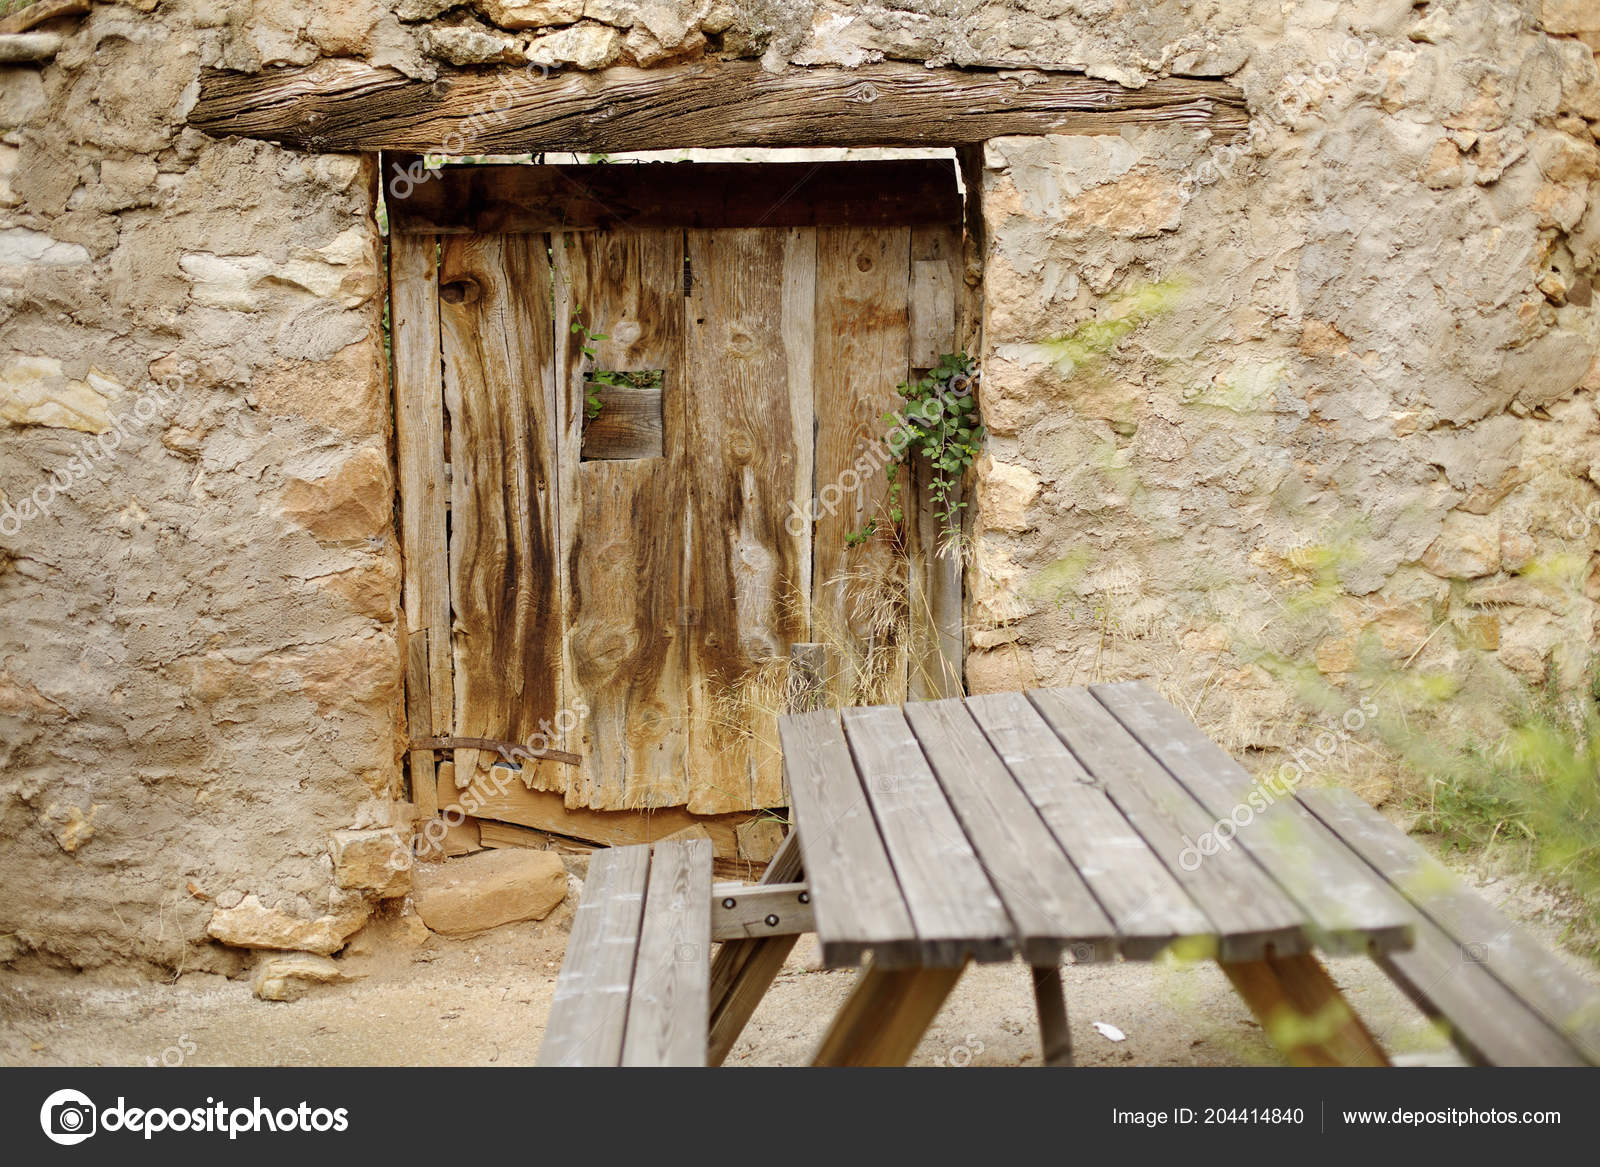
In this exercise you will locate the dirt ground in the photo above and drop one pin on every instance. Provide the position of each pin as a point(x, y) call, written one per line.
point(422, 999)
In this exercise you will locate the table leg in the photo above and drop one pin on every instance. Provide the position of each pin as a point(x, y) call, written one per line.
point(886, 1015)
point(1050, 997)
point(1303, 1012)
point(743, 970)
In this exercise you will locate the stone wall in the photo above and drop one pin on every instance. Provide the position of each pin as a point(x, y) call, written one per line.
point(1316, 405)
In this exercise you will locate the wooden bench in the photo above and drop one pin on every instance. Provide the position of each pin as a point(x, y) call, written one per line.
point(1503, 999)
point(635, 985)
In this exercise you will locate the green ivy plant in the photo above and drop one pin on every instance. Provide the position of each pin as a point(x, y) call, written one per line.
point(594, 378)
point(939, 422)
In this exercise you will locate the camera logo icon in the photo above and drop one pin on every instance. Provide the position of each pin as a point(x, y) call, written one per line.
point(68, 1117)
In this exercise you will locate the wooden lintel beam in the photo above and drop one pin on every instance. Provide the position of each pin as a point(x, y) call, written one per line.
point(346, 106)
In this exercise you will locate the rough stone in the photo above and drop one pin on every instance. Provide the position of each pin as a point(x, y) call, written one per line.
point(473, 45)
point(35, 391)
point(288, 978)
point(353, 501)
point(583, 46)
point(477, 892)
point(531, 13)
point(1467, 548)
point(375, 861)
point(253, 925)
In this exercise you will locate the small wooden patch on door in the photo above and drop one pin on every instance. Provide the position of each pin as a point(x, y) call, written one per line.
point(622, 421)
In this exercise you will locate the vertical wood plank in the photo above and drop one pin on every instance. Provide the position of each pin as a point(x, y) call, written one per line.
point(420, 451)
point(744, 556)
point(419, 716)
point(623, 523)
point(506, 642)
point(862, 344)
point(936, 667)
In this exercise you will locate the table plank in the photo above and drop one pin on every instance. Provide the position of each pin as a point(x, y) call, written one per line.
point(670, 1009)
point(1048, 902)
point(1147, 906)
point(854, 893)
point(1252, 914)
point(590, 1011)
point(956, 912)
point(1480, 933)
point(1351, 912)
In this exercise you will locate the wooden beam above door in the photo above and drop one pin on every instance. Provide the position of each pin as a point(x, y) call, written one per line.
point(345, 106)
point(490, 200)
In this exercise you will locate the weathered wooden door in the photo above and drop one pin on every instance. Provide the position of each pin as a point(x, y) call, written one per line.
point(633, 599)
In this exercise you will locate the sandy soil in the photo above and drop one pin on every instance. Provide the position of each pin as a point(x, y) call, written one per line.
point(427, 1000)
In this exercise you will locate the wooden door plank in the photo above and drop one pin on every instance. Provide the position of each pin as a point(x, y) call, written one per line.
point(861, 333)
point(855, 895)
point(1303, 1013)
point(956, 910)
point(1251, 914)
point(622, 523)
point(1048, 902)
point(743, 557)
point(937, 665)
point(419, 717)
point(1150, 910)
point(884, 1019)
point(1350, 910)
point(504, 566)
point(589, 1014)
point(670, 1005)
point(935, 258)
point(1482, 935)
point(420, 453)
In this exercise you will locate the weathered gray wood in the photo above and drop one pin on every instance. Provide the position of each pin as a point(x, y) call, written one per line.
point(956, 912)
point(28, 46)
point(1350, 911)
point(1049, 904)
point(590, 1011)
point(629, 424)
point(669, 1008)
point(497, 200)
point(755, 911)
point(743, 970)
point(1252, 915)
point(1149, 908)
point(1484, 1019)
point(345, 105)
point(420, 454)
point(854, 892)
point(1483, 938)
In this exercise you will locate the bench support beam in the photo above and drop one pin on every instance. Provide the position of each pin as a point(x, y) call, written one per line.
point(1303, 1012)
point(1050, 998)
point(885, 1016)
point(743, 970)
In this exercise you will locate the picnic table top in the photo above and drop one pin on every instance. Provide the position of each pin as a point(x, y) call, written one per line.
point(1094, 821)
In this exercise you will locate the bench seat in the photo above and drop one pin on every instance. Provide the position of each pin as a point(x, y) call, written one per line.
point(635, 984)
point(1504, 999)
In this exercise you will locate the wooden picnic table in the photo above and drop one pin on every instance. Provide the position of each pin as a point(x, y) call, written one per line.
point(1092, 822)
